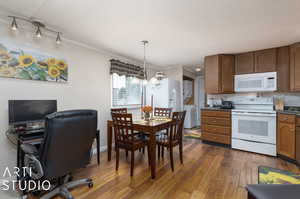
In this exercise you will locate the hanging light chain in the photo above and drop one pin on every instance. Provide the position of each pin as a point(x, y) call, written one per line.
point(145, 68)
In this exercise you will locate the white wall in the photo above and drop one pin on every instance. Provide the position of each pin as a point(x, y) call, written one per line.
point(88, 86)
point(176, 73)
point(200, 97)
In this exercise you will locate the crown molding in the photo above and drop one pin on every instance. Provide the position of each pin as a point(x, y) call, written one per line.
point(102, 51)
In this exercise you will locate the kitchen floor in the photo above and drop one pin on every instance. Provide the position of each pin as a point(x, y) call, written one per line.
point(208, 172)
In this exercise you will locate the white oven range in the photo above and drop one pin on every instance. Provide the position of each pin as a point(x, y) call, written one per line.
point(254, 130)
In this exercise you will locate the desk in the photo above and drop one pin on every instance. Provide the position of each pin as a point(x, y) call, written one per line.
point(36, 140)
point(151, 128)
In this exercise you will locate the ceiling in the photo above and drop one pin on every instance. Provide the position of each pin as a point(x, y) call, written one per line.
point(181, 32)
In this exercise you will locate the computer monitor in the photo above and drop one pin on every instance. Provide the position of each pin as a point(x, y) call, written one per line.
point(24, 111)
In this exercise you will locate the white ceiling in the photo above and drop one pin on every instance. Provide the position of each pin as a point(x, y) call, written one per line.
point(180, 31)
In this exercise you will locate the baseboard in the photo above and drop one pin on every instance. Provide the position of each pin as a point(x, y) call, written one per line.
point(102, 149)
point(287, 159)
point(216, 144)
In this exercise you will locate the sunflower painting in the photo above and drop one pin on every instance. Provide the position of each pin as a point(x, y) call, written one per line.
point(28, 64)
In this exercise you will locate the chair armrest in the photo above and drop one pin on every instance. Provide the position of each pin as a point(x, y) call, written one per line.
point(29, 149)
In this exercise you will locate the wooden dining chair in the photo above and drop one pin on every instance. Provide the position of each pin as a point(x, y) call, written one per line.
point(173, 137)
point(125, 137)
point(119, 110)
point(162, 112)
point(124, 110)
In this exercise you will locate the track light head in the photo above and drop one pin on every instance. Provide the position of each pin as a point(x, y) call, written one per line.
point(58, 39)
point(14, 25)
point(38, 33)
point(38, 24)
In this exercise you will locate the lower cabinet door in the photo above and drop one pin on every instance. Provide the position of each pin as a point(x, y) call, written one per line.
point(298, 145)
point(223, 139)
point(286, 140)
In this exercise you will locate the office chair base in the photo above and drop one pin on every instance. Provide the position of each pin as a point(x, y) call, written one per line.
point(63, 189)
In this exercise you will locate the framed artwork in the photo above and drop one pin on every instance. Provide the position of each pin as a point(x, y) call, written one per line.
point(23, 63)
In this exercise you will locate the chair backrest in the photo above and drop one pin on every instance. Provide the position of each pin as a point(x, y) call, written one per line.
point(176, 129)
point(67, 145)
point(118, 110)
point(123, 128)
point(162, 112)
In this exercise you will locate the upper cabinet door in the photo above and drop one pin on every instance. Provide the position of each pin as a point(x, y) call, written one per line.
point(244, 63)
point(265, 60)
point(212, 74)
point(283, 69)
point(227, 73)
point(295, 67)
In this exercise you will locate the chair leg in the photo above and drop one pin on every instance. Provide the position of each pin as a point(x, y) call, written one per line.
point(163, 152)
point(126, 154)
point(158, 152)
point(117, 158)
point(180, 153)
point(132, 163)
point(171, 158)
point(143, 150)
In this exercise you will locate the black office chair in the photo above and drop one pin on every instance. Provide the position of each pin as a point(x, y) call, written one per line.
point(69, 136)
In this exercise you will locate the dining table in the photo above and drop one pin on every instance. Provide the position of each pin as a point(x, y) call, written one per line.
point(151, 127)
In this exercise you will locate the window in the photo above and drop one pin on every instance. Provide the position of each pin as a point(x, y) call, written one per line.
point(126, 91)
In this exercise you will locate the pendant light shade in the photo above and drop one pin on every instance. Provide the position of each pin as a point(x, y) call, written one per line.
point(160, 75)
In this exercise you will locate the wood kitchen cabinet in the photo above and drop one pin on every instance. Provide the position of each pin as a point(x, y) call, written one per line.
point(216, 126)
point(256, 62)
point(286, 135)
point(298, 140)
point(244, 63)
point(265, 60)
point(219, 74)
point(283, 69)
point(295, 67)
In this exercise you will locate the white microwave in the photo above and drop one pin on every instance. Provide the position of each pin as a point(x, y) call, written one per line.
point(256, 82)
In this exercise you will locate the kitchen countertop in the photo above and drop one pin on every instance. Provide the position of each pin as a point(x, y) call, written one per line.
point(297, 113)
point(215, 109)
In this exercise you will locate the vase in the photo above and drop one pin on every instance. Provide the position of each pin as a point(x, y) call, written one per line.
point(146, 116)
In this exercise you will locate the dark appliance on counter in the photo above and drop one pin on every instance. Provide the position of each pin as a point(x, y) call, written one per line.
point(227, 105)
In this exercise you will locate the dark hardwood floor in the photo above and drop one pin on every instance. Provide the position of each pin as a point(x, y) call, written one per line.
point(208, 172)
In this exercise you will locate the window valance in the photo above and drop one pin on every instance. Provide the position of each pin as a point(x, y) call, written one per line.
point(126, 69)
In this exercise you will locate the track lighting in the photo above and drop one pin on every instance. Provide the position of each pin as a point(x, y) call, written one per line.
point(58, 39)
point(38, 32)
point(40, 26)
point(14, 25)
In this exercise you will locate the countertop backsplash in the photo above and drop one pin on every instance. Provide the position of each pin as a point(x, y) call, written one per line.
point(290, 99)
